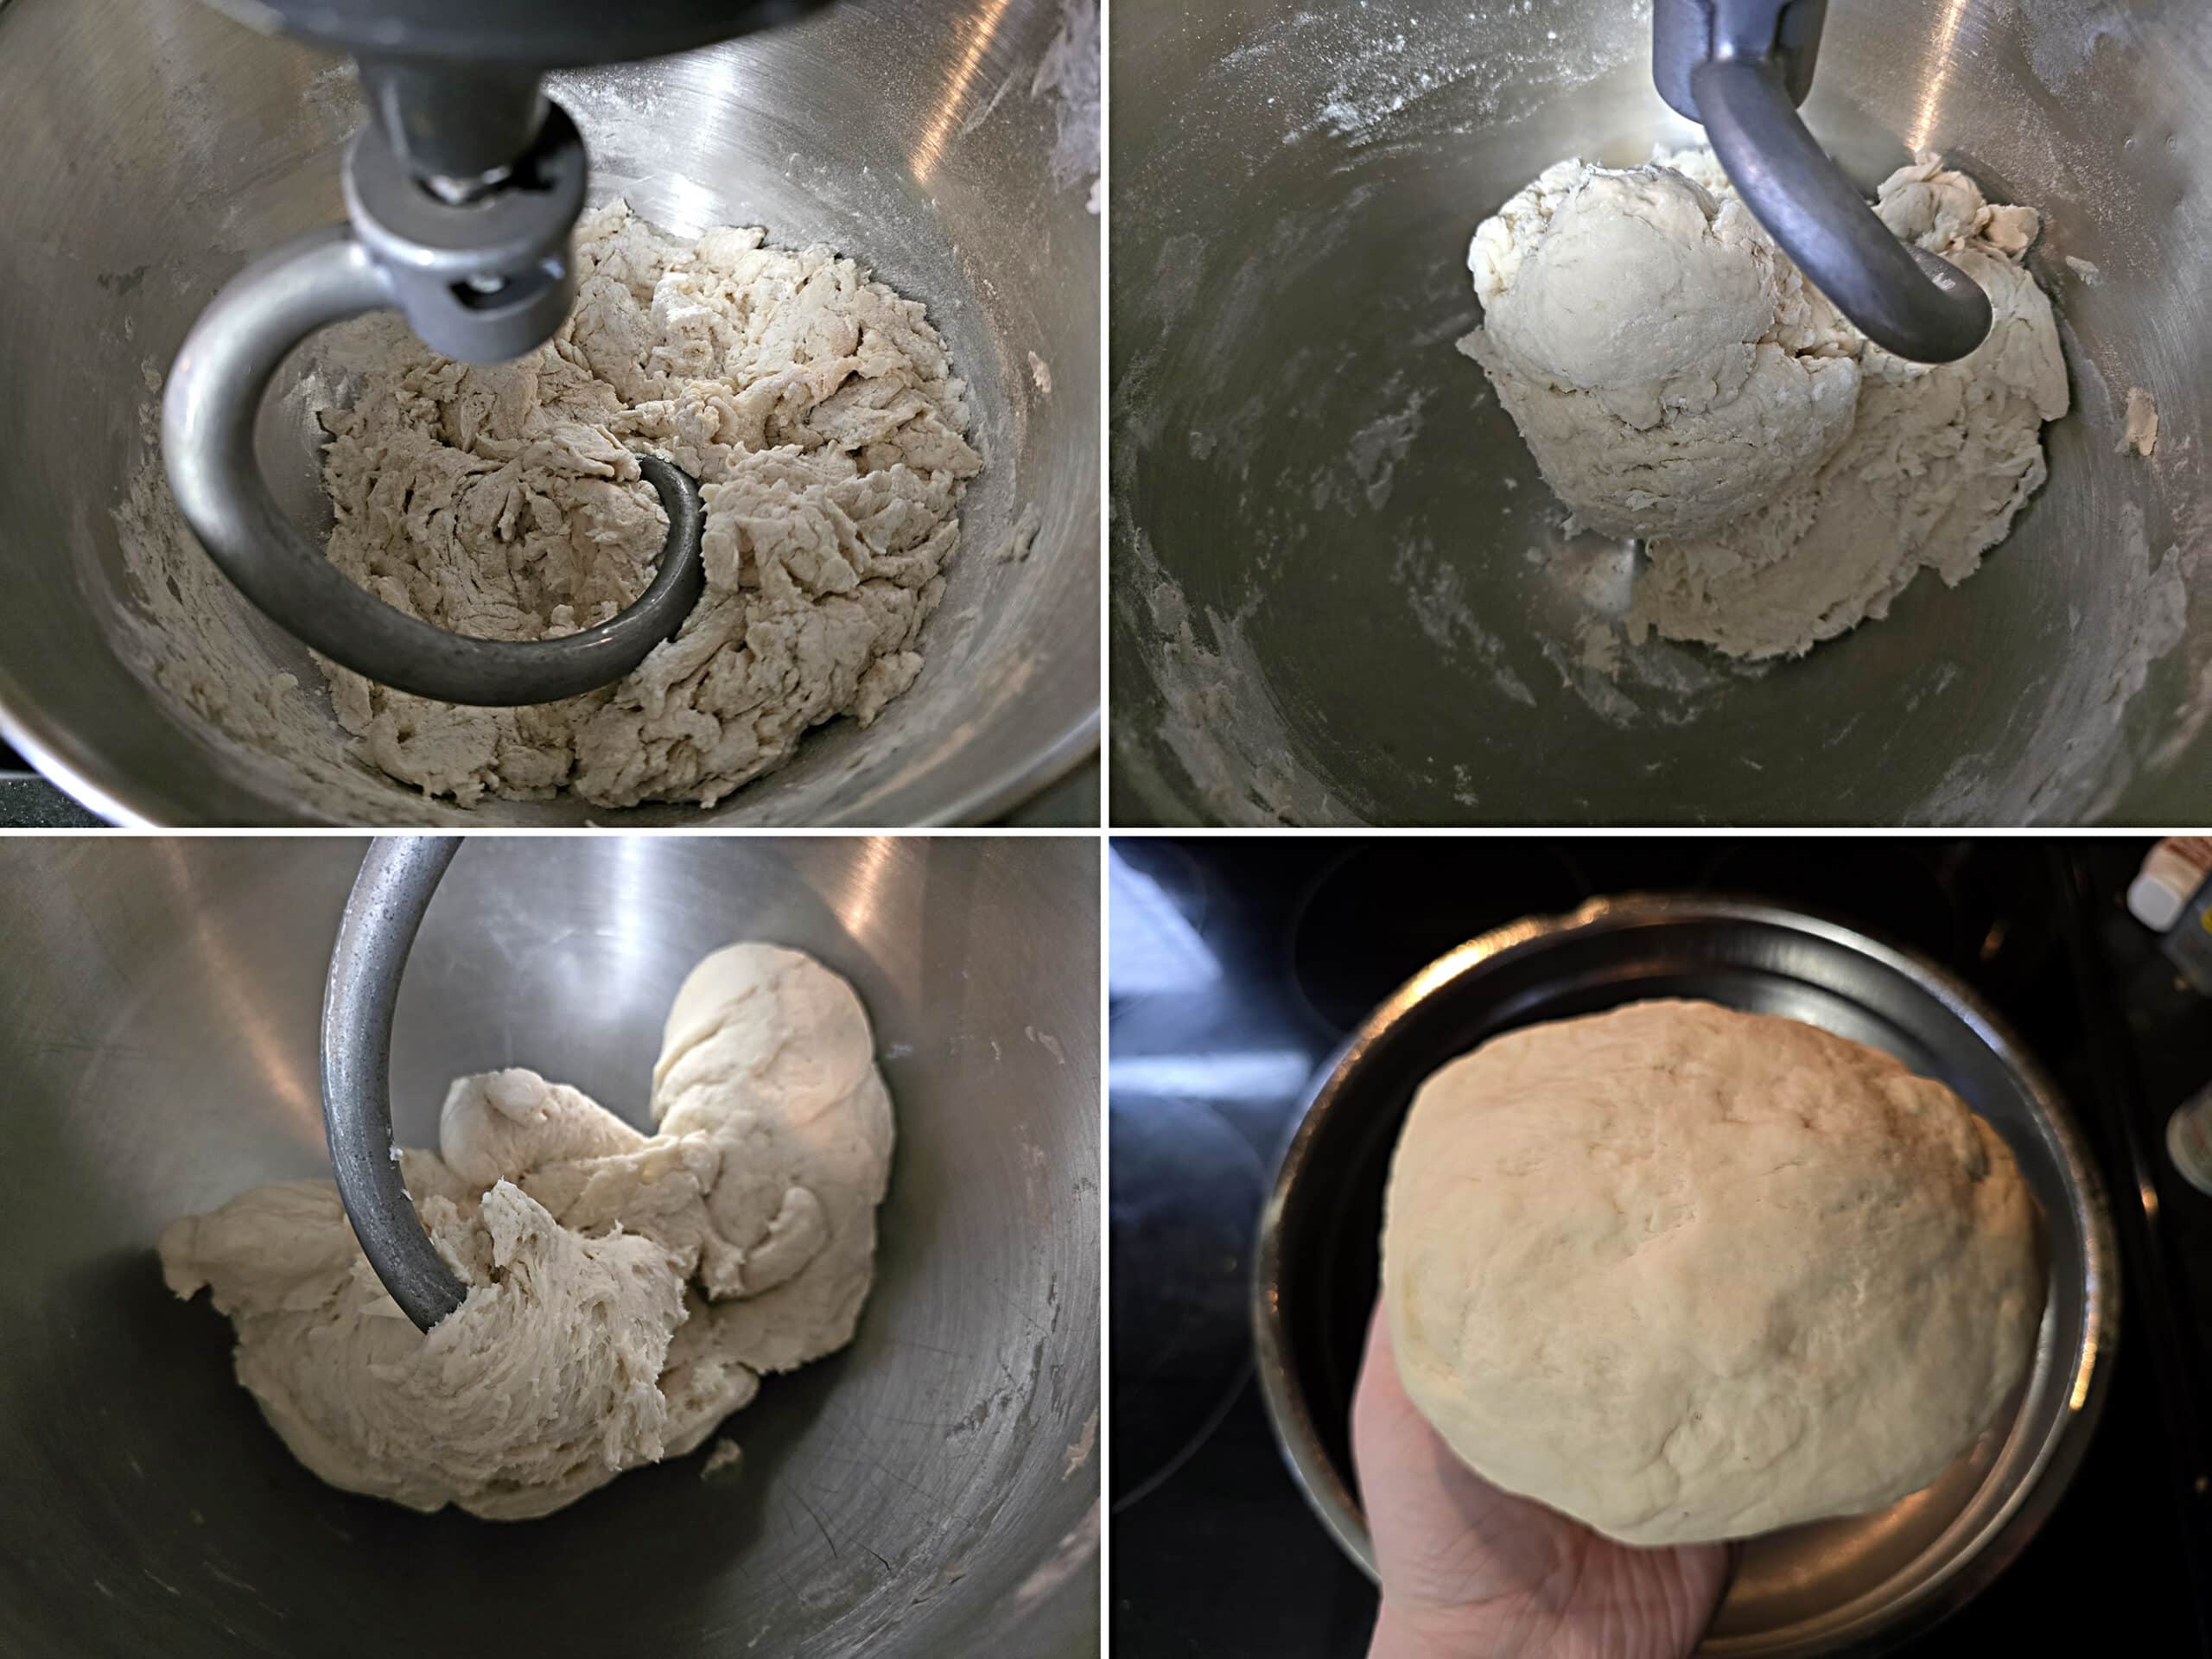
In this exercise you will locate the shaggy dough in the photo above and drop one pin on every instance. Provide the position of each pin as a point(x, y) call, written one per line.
point(1688, 1274)
point(820, 415)
point(1678, 379)
point(625, 1291)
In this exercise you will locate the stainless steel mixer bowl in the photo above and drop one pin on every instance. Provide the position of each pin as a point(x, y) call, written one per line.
point(932, 1489)
point(155, 146)
point(1339, 592)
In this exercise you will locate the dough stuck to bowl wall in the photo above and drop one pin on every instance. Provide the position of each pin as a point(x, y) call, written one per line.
point(1688, 1273)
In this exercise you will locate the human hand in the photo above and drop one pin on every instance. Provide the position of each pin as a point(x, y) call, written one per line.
point(1469, 1571)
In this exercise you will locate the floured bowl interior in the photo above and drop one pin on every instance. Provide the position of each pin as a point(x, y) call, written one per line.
point(1340, 591)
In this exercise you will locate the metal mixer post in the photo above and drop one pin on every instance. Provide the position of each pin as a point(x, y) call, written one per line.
point(461, 191)
point(397, 880)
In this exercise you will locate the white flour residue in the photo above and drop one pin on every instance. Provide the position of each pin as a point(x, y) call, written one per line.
point(1600, 644)
point(1437, 595)
point(1078, 1451)
point(1020, 539)
point(1378, 447)
point(2140, 431)
point(2063, 35)
point(1218, 720)
point(2156, 604)
point(1384, 60)
point(2152, 617)
point(1068, 74)
point(2186, 566)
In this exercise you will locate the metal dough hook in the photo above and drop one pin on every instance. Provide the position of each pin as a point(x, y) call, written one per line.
point(460, 192)
point(382, 913)
point(1739, 69)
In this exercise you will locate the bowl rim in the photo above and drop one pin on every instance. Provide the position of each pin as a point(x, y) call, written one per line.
point(125, 802)
point(1328, 1492)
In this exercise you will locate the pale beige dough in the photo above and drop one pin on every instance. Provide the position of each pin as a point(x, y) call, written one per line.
point(2140, 432)
point(626, 1292)
point(1677, 379)
point(818, 411)
point(1668, 366)
point(1688, 1274)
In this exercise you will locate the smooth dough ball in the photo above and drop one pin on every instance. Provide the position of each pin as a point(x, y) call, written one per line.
point(1686, 1273)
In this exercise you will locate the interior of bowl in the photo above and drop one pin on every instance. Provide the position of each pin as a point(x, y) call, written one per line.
point(1341, 593)
point(931, 1488)
point(1810, 1589)
point(157, 146)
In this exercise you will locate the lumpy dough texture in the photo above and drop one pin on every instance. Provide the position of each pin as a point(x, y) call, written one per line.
point(1667, 365)
point(626, 1292)
point(1686, 1273)
point(1678, 379)
point(821, 417)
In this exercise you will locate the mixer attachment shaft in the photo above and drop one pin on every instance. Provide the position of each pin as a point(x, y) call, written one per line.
point(1740, 67)
point(485, 279)
point(382, 913)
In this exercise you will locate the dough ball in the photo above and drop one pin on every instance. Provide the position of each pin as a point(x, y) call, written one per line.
point(1625, 284)
point(1667, 366)
point(625, 1291)
point(1686, 1273)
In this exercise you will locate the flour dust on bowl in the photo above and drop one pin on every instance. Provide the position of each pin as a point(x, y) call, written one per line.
point(949, 153)
point(931, 1487)
point(1342, 591)
point(1851, 1583)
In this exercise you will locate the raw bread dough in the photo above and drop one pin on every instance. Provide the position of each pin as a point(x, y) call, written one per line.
point(1793, 476)
point(1667, 365)
point(821, 417)
point(2141, 432)
point(626, 1291)
point(1688, 1274)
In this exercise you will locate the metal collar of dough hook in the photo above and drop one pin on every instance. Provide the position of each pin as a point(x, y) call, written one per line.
point(482, 280)
point(1740, 67)
point(383, 912)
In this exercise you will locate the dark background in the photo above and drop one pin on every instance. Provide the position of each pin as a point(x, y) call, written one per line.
point(29, 802)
